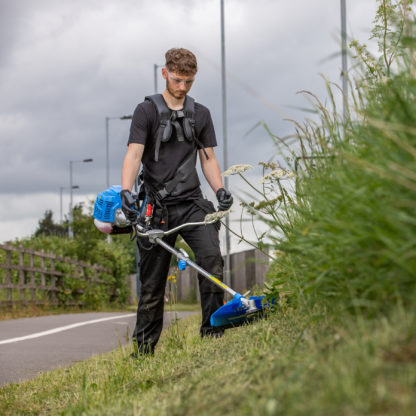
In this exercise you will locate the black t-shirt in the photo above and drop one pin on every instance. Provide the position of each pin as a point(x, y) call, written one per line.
point(172, 154)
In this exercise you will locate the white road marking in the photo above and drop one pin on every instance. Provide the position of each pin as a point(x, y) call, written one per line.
point(63, 328)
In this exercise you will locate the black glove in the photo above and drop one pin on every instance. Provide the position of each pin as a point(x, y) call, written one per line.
point(127, 205)
point(225, 199)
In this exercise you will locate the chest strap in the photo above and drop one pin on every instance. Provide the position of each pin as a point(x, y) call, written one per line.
point(185, 179)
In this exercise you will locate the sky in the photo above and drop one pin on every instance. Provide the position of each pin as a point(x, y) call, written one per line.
point(66, 65)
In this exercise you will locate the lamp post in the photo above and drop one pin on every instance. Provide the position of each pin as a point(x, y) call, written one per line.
point(344, 56)
point(155, 68)
point(107, 144)
point(61, 188)
point(225, 149)
point(71, 187)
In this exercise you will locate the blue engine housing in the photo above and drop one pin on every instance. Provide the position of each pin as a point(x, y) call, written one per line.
point(106, 204)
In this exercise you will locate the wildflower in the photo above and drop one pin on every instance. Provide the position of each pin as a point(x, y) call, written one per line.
point(277, 174)
point(173, 278)
point(216, 216)
point(235, 169)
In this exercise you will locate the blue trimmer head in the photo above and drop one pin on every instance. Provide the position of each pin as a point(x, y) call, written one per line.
point(240, 310)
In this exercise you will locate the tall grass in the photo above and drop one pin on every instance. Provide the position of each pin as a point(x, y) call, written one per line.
point(350, 236)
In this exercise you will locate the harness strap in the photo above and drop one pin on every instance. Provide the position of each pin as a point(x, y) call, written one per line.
point(185, 178)
point(171, 118)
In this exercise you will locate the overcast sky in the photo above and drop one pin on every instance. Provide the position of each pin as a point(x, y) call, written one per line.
point(67, 64)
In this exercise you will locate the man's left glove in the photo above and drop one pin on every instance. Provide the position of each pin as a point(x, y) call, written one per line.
point(225, 199)
point(127, 205)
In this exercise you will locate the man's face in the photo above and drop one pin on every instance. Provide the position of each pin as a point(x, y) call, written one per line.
point(178, 85)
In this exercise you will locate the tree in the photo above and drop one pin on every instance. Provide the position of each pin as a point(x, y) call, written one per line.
point(48, 227)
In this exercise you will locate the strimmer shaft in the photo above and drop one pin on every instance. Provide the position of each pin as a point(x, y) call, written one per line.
point(195, 266)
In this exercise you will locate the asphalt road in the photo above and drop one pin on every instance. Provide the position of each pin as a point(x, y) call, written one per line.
point(29, 346)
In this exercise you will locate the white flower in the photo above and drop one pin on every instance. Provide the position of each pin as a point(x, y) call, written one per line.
point(233, 170)
point(277, 174)
point(216, 216)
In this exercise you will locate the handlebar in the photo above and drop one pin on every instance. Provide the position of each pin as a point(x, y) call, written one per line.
point(152, 234)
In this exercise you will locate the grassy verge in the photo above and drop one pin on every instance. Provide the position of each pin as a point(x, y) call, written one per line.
point(290, 364)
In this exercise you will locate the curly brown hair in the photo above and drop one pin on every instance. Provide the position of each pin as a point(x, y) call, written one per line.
point(181, 61)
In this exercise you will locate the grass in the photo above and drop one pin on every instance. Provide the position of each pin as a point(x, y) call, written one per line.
point(291, 364)
point(349, 228)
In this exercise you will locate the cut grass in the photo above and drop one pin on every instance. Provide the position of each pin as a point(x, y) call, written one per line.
point(290, 364)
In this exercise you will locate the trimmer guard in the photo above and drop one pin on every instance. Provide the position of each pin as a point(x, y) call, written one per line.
point(234, 313)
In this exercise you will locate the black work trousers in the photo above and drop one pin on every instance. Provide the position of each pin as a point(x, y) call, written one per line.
point(154, 268)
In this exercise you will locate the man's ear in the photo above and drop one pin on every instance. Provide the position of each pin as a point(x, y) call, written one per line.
point(164, 73)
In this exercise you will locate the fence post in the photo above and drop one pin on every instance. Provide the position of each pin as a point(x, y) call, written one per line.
point(21, 273)
point(9, 275)
point(32, 277)
point(52, 293)
point(42, 266)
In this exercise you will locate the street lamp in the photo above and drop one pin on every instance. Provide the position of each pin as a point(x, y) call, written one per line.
point(107, 144)
point(71, 187)
point(61, 188)
point(225, 149)
point(344, 56)
point(155, 67)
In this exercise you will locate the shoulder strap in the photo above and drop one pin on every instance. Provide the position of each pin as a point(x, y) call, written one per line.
point(165, 125)
point(189, 122)
point(189, 107)
point(160, 104)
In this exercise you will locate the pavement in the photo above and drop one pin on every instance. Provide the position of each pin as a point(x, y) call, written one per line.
point(29, 346)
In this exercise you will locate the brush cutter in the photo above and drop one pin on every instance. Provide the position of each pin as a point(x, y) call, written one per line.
point(236, 312)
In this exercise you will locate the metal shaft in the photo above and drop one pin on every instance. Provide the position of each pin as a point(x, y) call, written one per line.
point(155, 66)
point(225, 149)
point(71, 218)
point(107, 154)
point(199, 269)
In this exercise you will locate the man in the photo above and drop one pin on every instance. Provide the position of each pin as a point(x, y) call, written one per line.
point(166, 134)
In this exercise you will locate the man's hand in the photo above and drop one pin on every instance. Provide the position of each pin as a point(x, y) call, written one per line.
point(127, 205)
point(225, 199)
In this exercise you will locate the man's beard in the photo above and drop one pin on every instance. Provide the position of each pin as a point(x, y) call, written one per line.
point(175, 93)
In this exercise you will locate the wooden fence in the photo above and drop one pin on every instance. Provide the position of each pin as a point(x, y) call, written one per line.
point(35, 277)
point(248, 269)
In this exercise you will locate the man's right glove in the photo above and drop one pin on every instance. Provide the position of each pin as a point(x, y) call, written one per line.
point(225, 199)
point(127, 205)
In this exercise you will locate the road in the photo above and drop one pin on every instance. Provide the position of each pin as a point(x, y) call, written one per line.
point(29, 346)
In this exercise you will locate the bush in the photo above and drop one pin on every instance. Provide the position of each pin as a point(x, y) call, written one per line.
point(89, 246)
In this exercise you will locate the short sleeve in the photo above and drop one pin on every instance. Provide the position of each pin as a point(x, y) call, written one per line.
point(139, 128)
point(204, 126)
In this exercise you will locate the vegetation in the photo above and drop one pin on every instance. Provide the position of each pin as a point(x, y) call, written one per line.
point(295, 363)
point(344, 235)
point(90, 246)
